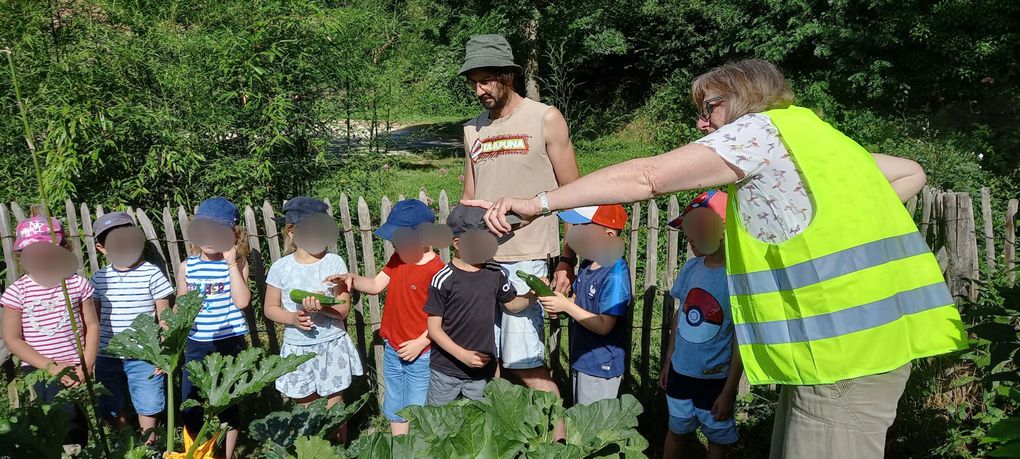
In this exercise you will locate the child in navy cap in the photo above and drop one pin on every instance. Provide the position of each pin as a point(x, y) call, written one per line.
point(311, 327)
point(406, 279)
point(219, 273)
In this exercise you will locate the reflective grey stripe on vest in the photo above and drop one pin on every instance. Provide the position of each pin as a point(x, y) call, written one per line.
point(829, 266)
point(846, 321)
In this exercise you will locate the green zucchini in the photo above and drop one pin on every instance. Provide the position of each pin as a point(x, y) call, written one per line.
point(297, 295)
point(538, 287)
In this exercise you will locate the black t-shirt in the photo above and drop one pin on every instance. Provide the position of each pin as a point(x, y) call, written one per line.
point(467, 302)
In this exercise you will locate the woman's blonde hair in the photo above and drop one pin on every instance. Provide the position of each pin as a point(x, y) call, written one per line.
point(747, 86)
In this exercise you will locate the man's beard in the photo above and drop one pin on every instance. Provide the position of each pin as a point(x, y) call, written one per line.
point(496, 100)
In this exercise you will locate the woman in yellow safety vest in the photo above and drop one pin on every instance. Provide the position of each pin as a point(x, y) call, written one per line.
point(833, 290)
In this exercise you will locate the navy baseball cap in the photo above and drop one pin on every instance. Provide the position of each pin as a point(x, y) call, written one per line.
point(111, 220)
point(466, 218)
point(299, 207)
point(408, 213)
point(219, 210)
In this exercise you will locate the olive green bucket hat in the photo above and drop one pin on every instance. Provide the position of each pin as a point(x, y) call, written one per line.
point(488, 51)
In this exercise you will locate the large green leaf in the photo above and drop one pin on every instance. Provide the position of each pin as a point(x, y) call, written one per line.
point(432, 422)
point(606, 422)
point(315, 448)
point(382, 444)
point(519, 414)
point(555, 451)
point(315, 420)
point(146, 340)
point(226, 380)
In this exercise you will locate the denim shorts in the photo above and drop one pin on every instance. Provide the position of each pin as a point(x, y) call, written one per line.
point(124, 377)
point(407, 383)
point(690, 406)
point(521, 335)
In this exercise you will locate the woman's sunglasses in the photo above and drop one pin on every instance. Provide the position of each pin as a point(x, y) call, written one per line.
point(709, 105)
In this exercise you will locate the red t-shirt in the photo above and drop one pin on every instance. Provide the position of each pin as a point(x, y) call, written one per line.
point(403, 316)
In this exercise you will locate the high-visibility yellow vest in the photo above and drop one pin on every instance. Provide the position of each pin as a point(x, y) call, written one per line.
point(857, 293)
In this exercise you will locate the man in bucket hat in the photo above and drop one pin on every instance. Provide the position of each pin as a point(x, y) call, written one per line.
point(517, 145)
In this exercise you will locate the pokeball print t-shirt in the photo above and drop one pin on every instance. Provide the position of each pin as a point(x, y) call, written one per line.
point(704, 326)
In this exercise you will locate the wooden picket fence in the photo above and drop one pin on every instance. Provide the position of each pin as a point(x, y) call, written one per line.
point(947, 220)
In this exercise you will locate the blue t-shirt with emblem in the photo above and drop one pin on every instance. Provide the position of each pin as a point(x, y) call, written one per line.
point(604, 290)
point(704, 326)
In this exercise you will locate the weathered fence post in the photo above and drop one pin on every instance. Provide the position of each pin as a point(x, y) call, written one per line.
point(649, 292)
point(368, 257)
point(1010, 245)
point(986, 219)
point(961, 246)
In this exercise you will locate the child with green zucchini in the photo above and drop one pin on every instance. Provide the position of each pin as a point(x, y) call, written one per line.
point(315, 323)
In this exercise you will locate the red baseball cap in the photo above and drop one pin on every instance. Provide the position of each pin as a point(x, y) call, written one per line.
point(712, 199)
point(612, 216)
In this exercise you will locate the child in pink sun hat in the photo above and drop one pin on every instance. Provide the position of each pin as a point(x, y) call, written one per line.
point(37, 327)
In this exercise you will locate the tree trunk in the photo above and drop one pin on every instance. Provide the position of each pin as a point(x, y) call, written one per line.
point(531, 67)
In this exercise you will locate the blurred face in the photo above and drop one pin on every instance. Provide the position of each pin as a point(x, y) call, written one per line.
point(48, 263)
point(123, 246)
point(314, 233)
point(489, 90)
point(211, 237)
point(704, 230)
point(596, 243)
point(711, 113)
point(476, 246)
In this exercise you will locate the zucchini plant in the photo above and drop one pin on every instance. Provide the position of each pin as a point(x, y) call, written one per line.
point(163, 347)
point(512, 421)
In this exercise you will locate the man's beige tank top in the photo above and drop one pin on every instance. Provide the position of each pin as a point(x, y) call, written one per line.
point(509, 160)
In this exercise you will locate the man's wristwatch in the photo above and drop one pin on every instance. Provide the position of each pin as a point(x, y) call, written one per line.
point(572, 261)
point(543, 201)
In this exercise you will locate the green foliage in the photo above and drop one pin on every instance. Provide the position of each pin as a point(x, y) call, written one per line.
point(36, 429)
point(510, 421)
point(162, 347)
point(224, 381)
point(284, 428)
point(146, 340)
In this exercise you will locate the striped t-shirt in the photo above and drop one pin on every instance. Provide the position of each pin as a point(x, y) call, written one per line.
point(123, 295)
point(219, 318)
point(44, 319)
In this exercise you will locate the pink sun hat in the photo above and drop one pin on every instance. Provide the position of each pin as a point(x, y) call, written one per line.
point(35, 229)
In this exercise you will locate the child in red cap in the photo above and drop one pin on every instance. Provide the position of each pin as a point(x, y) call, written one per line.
point(598, 310)
point(702, 367)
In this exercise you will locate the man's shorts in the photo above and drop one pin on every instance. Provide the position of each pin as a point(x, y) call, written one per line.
point(690, 406)
point(521, 335)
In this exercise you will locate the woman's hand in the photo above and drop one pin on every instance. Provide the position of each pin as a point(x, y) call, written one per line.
point(495, 217)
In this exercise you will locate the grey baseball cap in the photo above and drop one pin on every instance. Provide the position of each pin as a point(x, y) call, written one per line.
point(490, 50)
point(111, 220)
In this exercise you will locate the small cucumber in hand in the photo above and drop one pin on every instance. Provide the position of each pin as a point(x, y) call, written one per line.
point(298, 296)
point(539, 287)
